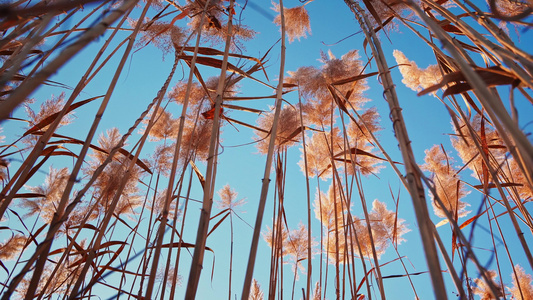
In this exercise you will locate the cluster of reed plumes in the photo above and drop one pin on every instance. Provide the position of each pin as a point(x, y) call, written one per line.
point(129, 212)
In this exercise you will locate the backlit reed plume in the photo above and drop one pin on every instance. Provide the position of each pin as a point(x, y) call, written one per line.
point(162, 35)
point(106, 185)
point(506, 166)
point(274, 240)
point(317, 292)
point(522, 288)
point(287, 133)
point(57, 282)
point(160, 277)
point(340, 248)
point(228, 203)
point(256, 293)
point(214, 12)
point(48, 108)
point(201, 97)
point(294, 245)
point(386, 226)
point(511, 8)
point(359, 138)
point(469, 153)
point(297, 24)
point(386, 9)
point(415, 78)
point(197, 94)
point(320, 148)
point(228, 198)
point(449, 188)
point(161, 159)
point(483, 290)
point(297, 246)
point(215, 24)
point(195, 142)
point(12, 247)
point(49, 196)
point(315, 85)
point(331, 210)
point(326, 206)
point(514, 174)
point(170, 279)
point(158, 204)
point(386, 229)
point(165, 126)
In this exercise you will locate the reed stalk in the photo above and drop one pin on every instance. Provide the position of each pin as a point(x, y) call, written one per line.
point(266, 177)
point(413, 178)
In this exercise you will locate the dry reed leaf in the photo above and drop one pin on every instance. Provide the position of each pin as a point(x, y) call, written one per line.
point(218, 223)
point(354, 78)
point(242, 108)
point(492, 76)
point(212, 51)
point(250, 98)
point(29, 195)
point(182, 245)
point(210, 114)
point(106, 267)
point(356, 151)
point(248, 125)
point(70, 140)
point(220, 213)
point(217, 63)
point(452, 29)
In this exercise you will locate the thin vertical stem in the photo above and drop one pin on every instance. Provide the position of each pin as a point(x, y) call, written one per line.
point(415, 186)
point(268, 165)
point(205, 214)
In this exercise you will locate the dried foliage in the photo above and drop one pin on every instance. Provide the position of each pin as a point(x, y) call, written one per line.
point(522, 288)
point(449, 188)
point(228, 198)
point(107, 184)
point(164, 36)
point(319, 149)
point(483, 290)
point(12, 247)
point(215, 24)
point(347, 234)
point(470, 153)
point(165, 127)
point(297, 24)
point(315, 85)
point(415, 78)
point(256, 293)
point(48, 108)
point(288, 129)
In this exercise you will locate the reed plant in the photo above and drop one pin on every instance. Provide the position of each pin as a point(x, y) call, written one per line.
point(120, 119)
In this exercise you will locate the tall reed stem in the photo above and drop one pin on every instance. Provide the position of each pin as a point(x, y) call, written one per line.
point(268, 165)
